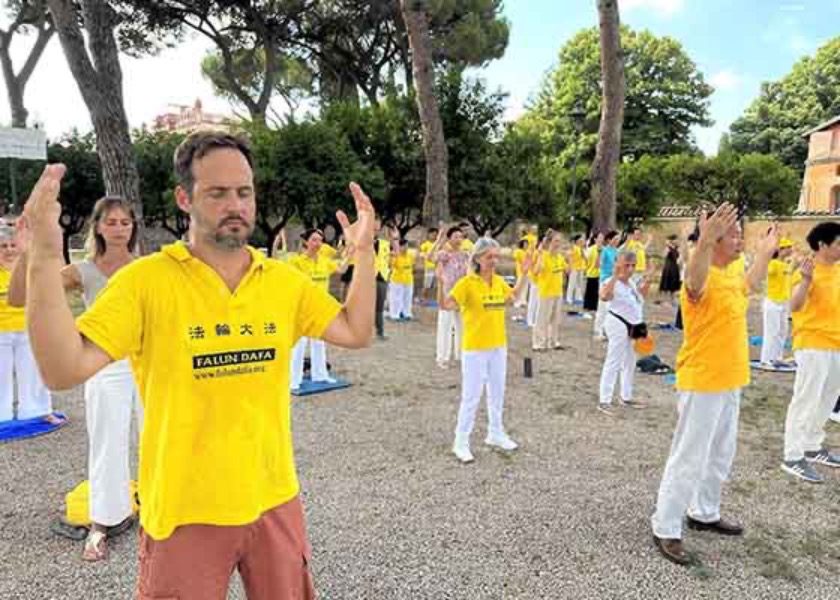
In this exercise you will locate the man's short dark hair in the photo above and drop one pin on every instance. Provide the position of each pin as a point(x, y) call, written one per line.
point(825, 233)
point(452, 231)
point(576, 237)
point(433, 230)
point(199, 144)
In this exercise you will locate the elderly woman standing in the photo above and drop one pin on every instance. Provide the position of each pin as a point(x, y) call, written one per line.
point(16, 358)
point(482, 296)
point(624, 315)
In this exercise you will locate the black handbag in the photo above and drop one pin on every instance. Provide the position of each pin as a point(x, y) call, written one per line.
point(637, 331)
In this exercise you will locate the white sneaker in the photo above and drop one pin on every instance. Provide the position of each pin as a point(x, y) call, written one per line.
point(501, 441)
point(329, 380)
point(835, 416)
point(463, 453)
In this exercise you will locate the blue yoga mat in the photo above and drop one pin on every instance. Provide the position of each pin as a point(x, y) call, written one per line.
point(28, 428)
point(670, 379)
point(757, 340)
point(309, 388)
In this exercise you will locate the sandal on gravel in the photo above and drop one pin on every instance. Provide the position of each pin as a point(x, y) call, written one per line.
point(96, 546)
point(77, 533)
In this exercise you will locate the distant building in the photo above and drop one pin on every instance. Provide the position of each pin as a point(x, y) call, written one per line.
point(183, 119)
point(821, 185)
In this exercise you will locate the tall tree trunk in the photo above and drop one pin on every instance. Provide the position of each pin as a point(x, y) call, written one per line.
point(608, 151)
point(436, 202)
point(99, 77)
point(39, 18)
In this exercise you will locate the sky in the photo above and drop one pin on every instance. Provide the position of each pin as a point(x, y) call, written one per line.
point(736, 44)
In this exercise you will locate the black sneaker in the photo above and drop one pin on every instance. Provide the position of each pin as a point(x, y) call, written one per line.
point(823, 457)
point(803, 470)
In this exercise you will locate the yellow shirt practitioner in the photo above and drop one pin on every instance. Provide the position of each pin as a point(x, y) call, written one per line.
point(548, 273)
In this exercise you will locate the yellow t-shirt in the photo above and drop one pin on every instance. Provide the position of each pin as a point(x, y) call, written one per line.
point(715, 352)
point(817, 325)
point(593, 264)
point(482, 308)
point(519, 259)
point(11, 318)
point(578, 259)
point(212, 369)
point(531, 239)
point(467, 245)
point(550, 279)
point(327, 251)
point(779, 281)
point(402, 268)
point(383, 258)
point(738, 266)
point(319, 270)
point(641, 255)
point(425, 249)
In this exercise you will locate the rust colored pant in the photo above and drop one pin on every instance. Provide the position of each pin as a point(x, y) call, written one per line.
point(196, 562)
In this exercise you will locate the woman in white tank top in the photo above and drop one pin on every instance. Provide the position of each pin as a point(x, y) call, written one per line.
point(110, 395)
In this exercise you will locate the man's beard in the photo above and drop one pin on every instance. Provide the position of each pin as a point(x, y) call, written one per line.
point(229, 241)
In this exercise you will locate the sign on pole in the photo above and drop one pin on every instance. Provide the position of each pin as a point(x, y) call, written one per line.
point(28, 144)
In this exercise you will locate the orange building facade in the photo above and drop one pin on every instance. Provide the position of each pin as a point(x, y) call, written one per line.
point(821, 185)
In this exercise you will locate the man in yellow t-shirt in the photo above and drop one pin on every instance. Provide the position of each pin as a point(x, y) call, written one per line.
point(712, 368)
point(428, 264)
point(635, 244)
point(548, 274)
point(816, 344)
point(208, 327)
point(776, 308)
point(519, 255)
point(17, 366)
point(577, 274)
point(401, 284)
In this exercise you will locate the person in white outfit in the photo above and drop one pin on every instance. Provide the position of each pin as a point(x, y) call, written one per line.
point(625, 311)
point(482, 297)
point(18, 373)
point(776, 307)
point(816, 345)
point(713, 365)
point(452, 263)
point(111, 398)
point(320, 269)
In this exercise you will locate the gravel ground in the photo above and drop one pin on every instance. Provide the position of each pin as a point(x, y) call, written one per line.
point(392, 515)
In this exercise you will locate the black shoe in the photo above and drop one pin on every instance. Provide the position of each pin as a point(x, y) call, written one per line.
point(673, 550)
point(721, 527)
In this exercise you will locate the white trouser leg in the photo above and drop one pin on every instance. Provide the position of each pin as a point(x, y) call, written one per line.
point(110, 401)
point(570, 287)
point(7, 381)
point(318, 360)
point(539, 332)
point(298, 353)
point(628, 372)
point(393, 301)
point(447, 325)
point(775, 331)
point(458, 330)
point(581, 286)
point(815, 392)
point(701, 456)
point(474, 366)
point(598, 326)
point(496, 375)
point(618, 346)
point(555, 321)
point(521, 297)
point(408, 301)
point(533, 304)
point(34, 398)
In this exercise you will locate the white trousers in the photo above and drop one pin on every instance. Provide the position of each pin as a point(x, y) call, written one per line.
point(317, 361)
point(533, 304)
point(17, 364)
point(480, 367)
point(701, 457)
point(620, 360)
point(400, 299)
point(522, 297)
point(776, 327)
point(815, 392)
point(546, 331)
point(110, 401)
point(449, 328)
point(428, 279)
point(577, 283)
point(600, 316)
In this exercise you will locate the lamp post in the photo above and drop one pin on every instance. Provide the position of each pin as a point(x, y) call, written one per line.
point(577, 116)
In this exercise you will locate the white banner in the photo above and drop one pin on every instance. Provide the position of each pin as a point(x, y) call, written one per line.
point(23, 143)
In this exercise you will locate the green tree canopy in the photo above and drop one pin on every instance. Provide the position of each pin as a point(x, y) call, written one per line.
point(666, 96)
point(776, 121)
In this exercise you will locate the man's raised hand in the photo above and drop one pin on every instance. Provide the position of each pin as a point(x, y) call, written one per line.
point(42, 211)
point(713, 228)
point(361, 233)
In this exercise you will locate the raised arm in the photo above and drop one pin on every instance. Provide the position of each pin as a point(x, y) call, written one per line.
point(712, 229)
point(800, 292)
point(522, 280)
point(353, 327)
point(65, 358)
point(767, 247)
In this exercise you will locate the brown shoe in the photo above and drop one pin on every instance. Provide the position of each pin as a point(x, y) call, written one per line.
point(673, 550)
point(721, 527)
